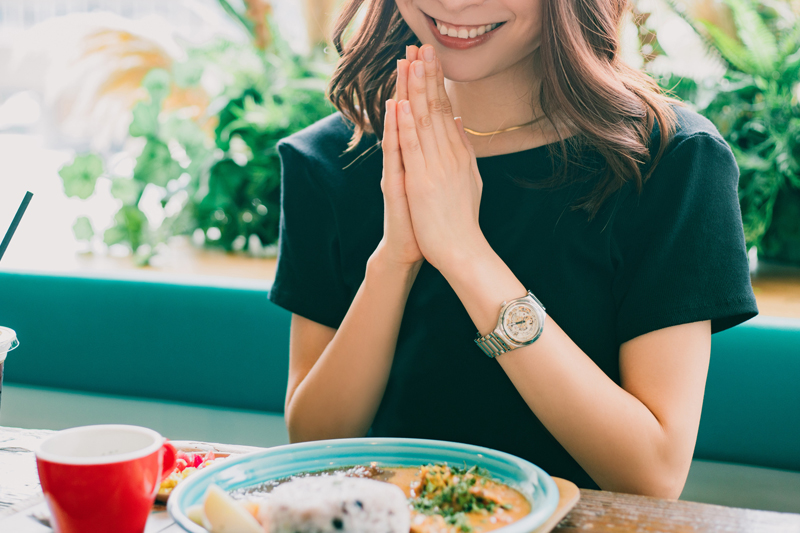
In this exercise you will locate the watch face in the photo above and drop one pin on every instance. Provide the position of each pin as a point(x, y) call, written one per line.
point(520, 323)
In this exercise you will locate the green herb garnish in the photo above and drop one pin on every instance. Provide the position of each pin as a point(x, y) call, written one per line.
point(452, 492)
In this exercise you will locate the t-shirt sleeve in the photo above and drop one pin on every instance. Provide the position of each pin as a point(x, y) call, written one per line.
point(308, 279)
point(680, 244)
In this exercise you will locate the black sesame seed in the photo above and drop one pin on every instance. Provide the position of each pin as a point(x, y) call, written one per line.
point(337, 523)
point(359, 504)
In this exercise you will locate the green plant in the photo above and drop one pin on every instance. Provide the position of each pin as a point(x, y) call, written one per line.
point(755, 107)
point(217, 171)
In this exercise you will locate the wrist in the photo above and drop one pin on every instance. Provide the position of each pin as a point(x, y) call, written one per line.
point(458, 263)
point(381, 264)
point(482, 281)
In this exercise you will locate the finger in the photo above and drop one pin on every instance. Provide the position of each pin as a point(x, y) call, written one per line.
point(402, 72)
point(473, 160)
point(418, 97)
point(402, 80)
point(392, 159)
point(410, 145)
point(453, 132)
point(432, 95)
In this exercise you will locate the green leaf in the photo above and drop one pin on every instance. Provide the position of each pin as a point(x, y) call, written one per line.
point(81, 175)
point(83, 229)
point(246, 23)
point(130, 226)
point(187, 73)
point(145, 120)
point(750, 161)
point(755, 35)
point(126, 189)
point(187, 133)
point(145, 113)
point(730, 49)
point(155, 164)
point(157, 82)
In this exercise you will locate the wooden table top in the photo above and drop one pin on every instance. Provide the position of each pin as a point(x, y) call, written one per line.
point(597, 511)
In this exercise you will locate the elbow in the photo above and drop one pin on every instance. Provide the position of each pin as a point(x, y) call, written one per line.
point(661, 468)
point(663, 485)
point(668, 486)
point(304, 424)
point(293, 427)
point(659, 475)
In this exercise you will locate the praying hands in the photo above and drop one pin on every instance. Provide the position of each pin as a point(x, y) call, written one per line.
point(431, 184)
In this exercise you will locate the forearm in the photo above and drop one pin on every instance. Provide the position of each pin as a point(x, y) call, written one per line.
point(340, 394)
point(610, 433)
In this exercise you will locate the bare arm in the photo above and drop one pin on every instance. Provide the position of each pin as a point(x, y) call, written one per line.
point(636, 437)
point(337, 377)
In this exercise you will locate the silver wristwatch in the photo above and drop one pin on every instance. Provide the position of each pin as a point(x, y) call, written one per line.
point(520, 323)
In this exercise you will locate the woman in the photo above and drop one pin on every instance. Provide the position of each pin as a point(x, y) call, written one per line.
point(569, 175)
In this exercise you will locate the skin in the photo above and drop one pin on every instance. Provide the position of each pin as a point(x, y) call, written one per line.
point(635, 437)
point(490, 86)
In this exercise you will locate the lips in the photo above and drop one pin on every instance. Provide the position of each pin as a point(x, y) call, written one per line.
point(464, 31)
point(461, 37)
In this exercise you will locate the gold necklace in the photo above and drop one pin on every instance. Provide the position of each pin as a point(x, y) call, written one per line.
point(512, 128)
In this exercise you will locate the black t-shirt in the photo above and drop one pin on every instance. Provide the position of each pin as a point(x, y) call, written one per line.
point(671, 255)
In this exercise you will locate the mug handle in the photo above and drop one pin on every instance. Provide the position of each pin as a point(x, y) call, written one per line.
point(169, 458)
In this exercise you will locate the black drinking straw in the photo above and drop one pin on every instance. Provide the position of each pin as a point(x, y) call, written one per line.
point(14, 223)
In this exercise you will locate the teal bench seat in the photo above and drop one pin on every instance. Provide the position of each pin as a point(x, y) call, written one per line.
point(220, 343)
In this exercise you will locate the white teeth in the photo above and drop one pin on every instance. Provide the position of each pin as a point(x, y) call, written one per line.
point(463, 33)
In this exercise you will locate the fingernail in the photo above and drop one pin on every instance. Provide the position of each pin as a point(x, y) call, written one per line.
point(406, 107)
point(419, 70)
point(428, 55)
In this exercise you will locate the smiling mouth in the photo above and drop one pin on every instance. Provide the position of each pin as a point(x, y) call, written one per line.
point(462, 31)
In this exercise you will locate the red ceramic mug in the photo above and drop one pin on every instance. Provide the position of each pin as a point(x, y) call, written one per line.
point(103, 478)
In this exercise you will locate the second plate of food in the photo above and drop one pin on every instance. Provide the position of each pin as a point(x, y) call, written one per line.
point(497, 491)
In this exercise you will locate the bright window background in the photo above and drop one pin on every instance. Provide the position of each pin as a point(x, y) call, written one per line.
point(42, 123)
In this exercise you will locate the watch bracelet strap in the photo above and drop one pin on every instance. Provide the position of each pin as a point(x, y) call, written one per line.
point(492, 345)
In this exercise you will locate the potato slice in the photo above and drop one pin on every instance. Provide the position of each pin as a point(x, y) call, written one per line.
point(198, 516)
point(226, 515)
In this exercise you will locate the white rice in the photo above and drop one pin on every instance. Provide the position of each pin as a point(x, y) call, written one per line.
point(336, 504)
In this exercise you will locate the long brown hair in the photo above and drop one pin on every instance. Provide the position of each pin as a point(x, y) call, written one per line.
point(585, 83)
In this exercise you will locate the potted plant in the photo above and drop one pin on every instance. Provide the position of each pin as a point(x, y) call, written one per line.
point(755, 107)
point(209, 159)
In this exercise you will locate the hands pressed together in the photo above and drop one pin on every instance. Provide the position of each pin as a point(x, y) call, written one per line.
point(431, 184)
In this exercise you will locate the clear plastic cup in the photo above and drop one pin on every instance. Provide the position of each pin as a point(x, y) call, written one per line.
point(8, 341)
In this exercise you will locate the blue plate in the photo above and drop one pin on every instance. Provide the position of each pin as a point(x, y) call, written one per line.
point(283, 461)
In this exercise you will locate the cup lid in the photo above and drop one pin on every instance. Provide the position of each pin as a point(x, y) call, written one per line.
point(8, 340)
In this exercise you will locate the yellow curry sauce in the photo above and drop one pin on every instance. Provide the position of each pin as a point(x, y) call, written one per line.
point(442, 498)
point(510, 504)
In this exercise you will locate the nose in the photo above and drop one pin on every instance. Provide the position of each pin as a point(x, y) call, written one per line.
point(457, 7)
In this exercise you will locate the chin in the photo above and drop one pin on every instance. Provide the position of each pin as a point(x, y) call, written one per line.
point(458, 70)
